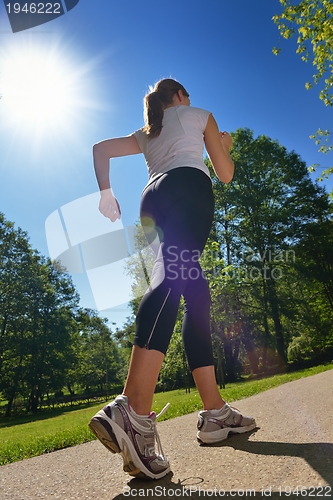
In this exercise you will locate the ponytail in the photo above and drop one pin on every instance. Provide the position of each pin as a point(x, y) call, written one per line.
point(156, 101)
point(153, 114)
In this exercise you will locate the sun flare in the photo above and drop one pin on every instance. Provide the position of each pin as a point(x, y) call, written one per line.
point(37, 89)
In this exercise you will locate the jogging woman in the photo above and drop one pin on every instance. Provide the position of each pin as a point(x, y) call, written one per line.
point(176, 211)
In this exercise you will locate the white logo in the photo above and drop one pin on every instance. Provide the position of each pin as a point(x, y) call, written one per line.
point(82, 240)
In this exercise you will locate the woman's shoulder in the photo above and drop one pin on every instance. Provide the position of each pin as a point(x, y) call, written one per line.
point(140, 135)
point(139, 132)
point(141, 138)
point(193, 109)
point(196, 112)
point(195, 115)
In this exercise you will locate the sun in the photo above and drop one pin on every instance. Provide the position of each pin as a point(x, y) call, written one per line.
point(37, 89)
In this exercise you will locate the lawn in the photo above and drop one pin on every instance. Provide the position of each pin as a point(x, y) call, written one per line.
point(26, 437)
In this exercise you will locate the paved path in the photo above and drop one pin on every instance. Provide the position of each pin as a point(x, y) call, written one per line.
point(292, 447)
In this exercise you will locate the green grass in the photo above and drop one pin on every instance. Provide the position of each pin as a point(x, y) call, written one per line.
point(26, 437)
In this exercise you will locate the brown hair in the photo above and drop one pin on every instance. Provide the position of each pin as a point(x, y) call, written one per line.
point(154, 104)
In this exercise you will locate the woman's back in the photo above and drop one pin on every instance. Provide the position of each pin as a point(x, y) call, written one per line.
point(180, 142)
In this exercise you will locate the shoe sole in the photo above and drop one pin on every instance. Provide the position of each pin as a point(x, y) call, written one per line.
point(112, 436)
point(223, 434)
point(109, 440)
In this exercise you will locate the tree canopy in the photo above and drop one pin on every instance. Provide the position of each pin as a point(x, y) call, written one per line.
point(46, 341)
point(312, 22)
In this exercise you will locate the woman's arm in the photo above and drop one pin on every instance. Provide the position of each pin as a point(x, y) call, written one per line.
point(102, 152)
point(218, 145)
point(111, 148)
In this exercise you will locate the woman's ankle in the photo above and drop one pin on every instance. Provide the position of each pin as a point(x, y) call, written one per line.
point(140, 407)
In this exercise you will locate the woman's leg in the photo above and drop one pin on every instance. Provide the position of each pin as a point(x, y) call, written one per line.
point(198, 343)
point(181, 205)
point(204, 378)
point(196, 324)
point(142, 377)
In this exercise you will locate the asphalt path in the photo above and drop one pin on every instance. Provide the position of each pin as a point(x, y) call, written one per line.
point(289, 455)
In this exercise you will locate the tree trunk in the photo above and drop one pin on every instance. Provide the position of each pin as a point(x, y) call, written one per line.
point(249, 347)
point(2, 335)
point(220, 373)
point(266, 328)
point(229, 360)
point(71, 392)
point(277, 325)
point(9, 405)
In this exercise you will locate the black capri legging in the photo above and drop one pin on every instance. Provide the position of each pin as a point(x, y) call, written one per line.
point(179, 208)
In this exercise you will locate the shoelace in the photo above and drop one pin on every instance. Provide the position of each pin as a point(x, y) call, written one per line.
point(156, 434)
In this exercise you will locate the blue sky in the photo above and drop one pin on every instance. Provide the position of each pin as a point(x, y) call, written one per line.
point(105, 55)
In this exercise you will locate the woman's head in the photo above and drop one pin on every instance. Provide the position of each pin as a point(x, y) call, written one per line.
point(155, 102)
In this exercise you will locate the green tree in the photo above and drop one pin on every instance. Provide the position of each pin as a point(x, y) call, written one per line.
point(16, 259)
point(37, 321)
point(315, 280)
point(259, 218)
point(312, 22)
point(175, 372)
point(101, 362)
point(50, 334)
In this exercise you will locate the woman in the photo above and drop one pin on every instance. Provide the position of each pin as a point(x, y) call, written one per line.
point(176, 211)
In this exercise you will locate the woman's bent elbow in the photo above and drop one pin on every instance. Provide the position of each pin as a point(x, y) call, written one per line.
point(94, 150)
point(96, 147)
point(230, 175)
point(98, 152)
point(226, 174)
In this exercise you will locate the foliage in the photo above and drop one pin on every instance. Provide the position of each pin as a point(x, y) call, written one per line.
point(324, 139)
point(100, 360)
point(312, 22)
point(46, 342)
point(260, 218)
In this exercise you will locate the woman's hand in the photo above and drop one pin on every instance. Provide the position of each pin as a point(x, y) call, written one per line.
point(226, 140)
point(109, 206)
point(102, 152)
point(218, 145)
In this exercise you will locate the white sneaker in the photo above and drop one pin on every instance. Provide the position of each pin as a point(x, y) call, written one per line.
point(122, 431)
point(215, 425)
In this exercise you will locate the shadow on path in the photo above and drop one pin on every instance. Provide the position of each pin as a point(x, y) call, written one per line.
point(318, 455)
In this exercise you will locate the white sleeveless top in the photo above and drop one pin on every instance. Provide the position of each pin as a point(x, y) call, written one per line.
point(180, 143)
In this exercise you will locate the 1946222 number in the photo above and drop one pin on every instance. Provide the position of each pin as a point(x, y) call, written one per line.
point(34, 8)
point(312, 491)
